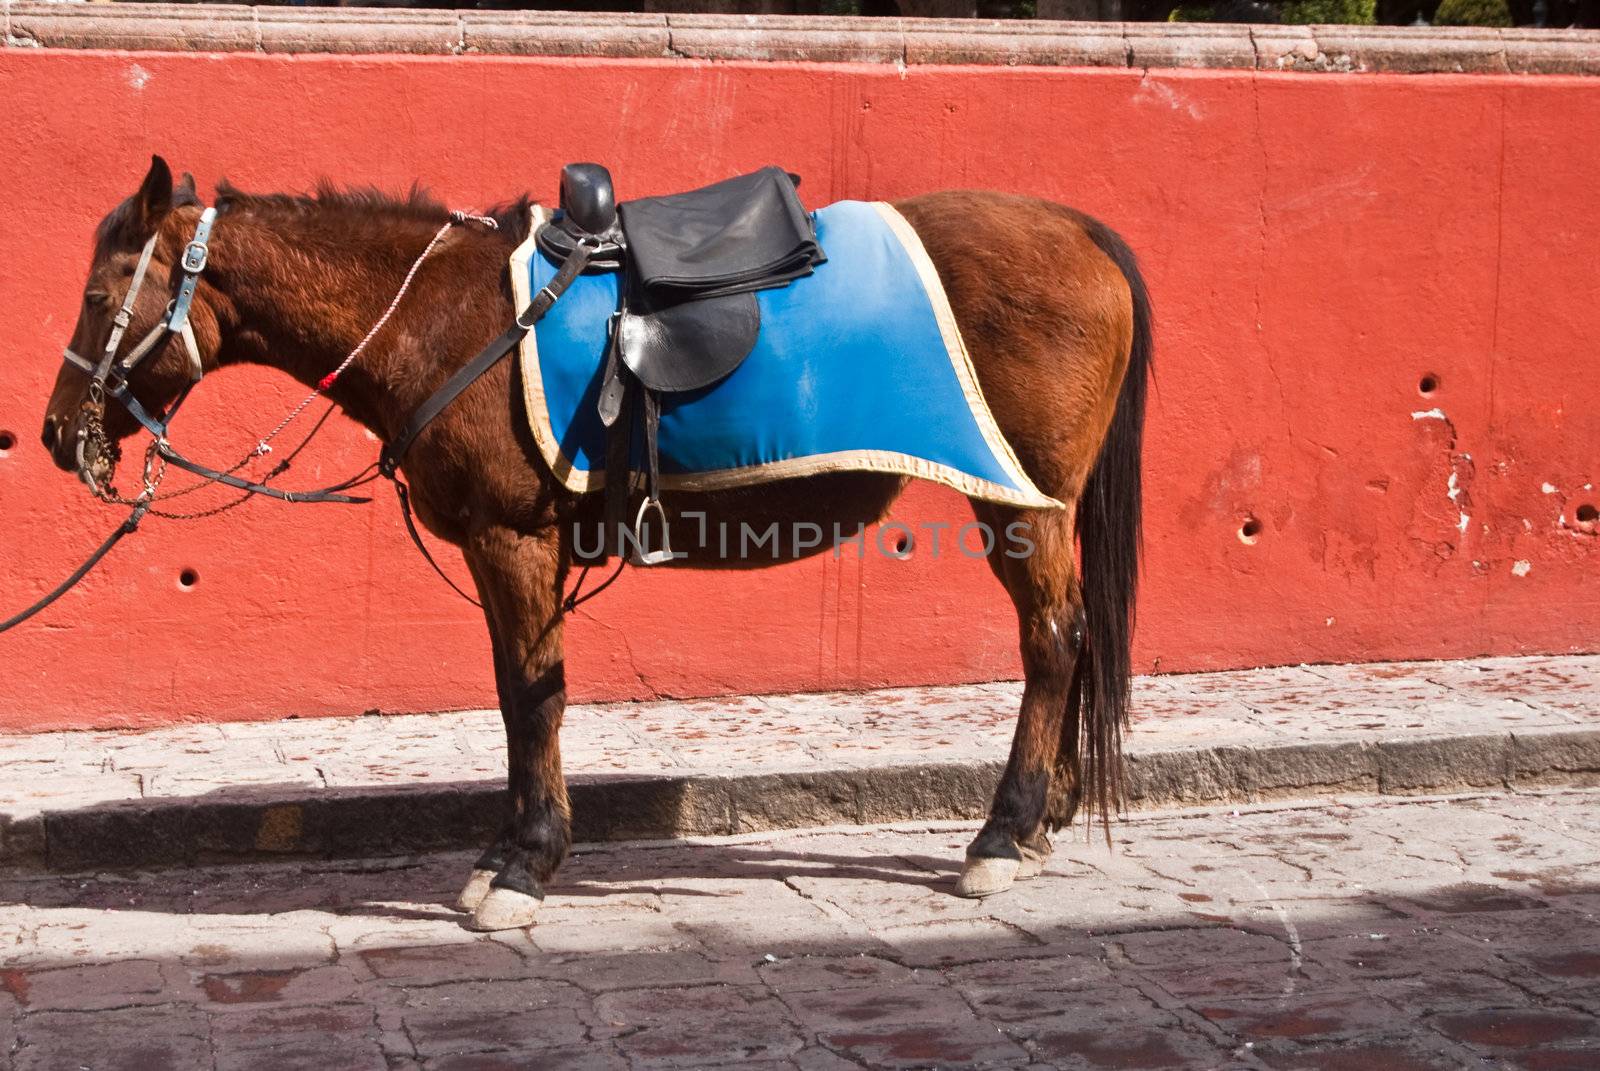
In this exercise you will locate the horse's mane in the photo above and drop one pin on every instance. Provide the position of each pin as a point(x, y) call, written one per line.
point(356, 204)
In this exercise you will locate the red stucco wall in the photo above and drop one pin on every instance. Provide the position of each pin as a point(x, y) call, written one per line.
point(1316, 245)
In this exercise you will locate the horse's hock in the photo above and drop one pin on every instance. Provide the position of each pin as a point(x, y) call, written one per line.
point(1367, 429)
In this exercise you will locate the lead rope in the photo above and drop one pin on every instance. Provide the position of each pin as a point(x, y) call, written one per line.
point(264, 447)
point(328, 380)
point(128, 526)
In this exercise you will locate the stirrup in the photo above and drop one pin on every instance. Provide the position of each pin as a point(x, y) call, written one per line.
point(640, 556)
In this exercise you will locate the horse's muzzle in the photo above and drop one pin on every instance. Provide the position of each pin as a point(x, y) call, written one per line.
point(57, 439)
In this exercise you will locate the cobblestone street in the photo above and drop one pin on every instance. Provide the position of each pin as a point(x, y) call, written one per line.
point(1360, 933)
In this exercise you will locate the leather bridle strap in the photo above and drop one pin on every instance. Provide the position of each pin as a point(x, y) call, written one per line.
point(331, 493)
point(127, 527)
point(195, 255)
point(158, 428)
point(113, 375)
point(175, 322)
point(394, 452)
point(119, 323)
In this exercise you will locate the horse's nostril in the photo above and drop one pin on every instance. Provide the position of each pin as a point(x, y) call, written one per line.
point(55, 433)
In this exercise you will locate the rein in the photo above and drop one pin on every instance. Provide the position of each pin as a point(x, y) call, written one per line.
point(109, 379)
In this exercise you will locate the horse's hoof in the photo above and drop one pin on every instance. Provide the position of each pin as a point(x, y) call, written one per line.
point(477, 888)
point(983, 876)
point(1032, 863)
point(504, 909)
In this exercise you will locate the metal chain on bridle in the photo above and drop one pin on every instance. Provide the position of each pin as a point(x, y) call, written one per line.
point(109, 381)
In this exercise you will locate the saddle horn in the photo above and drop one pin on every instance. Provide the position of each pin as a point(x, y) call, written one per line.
point(587, 197)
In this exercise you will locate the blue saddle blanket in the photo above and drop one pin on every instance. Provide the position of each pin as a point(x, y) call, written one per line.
point(858, 367)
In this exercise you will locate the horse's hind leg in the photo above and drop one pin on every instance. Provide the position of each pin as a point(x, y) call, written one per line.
point(519, 579)
point(1039, 789)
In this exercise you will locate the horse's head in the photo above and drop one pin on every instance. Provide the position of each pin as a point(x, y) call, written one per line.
point(144, 222)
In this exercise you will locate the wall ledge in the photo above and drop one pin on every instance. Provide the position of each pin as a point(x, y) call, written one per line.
point(29, 24)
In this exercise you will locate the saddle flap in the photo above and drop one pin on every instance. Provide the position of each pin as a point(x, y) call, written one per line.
point(689, 346)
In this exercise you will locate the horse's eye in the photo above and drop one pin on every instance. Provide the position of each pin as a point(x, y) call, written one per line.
point(98, 299)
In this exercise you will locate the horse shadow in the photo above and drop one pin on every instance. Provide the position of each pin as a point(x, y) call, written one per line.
point(431, 833)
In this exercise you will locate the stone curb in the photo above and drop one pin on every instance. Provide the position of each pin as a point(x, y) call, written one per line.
point(239, 824)
point(779, 38)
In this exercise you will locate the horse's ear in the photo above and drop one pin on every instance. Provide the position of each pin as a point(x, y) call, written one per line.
point(154, 199)
point(184, 193)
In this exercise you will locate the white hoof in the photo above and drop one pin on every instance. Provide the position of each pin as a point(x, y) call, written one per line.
point(504, 909)
point(985, 877)
point(477, 888)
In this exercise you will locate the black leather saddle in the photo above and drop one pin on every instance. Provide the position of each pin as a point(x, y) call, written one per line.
point(687, 316)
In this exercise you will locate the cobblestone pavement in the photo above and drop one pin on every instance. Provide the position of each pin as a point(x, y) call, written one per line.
point(1355, 933)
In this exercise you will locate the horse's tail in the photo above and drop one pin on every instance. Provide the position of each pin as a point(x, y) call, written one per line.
point(1110, 542)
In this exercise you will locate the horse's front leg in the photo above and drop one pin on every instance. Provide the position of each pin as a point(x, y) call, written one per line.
point(488, 866)
point(519, 578)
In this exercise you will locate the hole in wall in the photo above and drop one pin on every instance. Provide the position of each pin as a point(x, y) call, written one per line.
point(1250, 531)
point(1427, 384)
point(187, 579)
point(8, 442)
point(1586, 513)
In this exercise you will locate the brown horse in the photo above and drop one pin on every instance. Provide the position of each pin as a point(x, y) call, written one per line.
point(1050, 304)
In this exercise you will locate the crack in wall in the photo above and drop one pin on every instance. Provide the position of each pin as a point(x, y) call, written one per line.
point(1458, 484)
point(1262, 235)
point(627, 652)
point(1499, 257)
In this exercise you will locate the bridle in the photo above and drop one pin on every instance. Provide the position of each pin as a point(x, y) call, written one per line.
point(109, 380)
point(110, 374)
point(175, 322)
